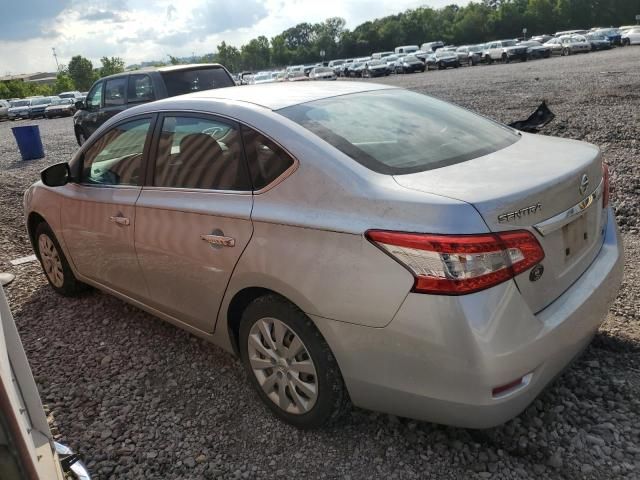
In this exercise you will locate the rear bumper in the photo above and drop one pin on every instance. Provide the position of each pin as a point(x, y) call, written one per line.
point(440, 357)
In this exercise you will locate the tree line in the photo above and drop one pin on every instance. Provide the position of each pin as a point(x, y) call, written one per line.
point(78, 75)
point(477, 22)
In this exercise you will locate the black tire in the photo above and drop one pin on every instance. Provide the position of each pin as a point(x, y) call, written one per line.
point(70, 286)
point(626, 42)
point(566, 52)
point(488, 59)
point(332, 398)
point(505, 58)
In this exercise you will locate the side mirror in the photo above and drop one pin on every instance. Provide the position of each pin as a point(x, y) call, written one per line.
point(56, 175)
point(80, 105)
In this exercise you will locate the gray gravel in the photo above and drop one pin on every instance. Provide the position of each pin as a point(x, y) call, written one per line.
point(139, 398)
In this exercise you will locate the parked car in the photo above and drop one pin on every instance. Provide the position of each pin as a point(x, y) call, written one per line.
point(4, 109)
point(431, 46)
point(443, 59)
point(612, 34)
point(115, 93)
point(380, 55)
point(76, 95)
point(623, 29)
point(465, 326)
point(536, 49)
point(470, 55)
point(357, 69)
point(406, 49)
point(571, 32)
point(375, 68)
point(296, 76)
point(61, 107)
point(505, 51)
point(262, 78)
point(576, 44)
point(39, 105)
point(335, 64)
point(598, 41)
point(19, 109)
point(322, 73)
point(568, 45)
point(631, 37)
point(542, 38)
point(27, 445)
point(409, 64)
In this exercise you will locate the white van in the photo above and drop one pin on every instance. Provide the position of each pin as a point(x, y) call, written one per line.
point(407, 49)
point(431, 46)
point(379, 55)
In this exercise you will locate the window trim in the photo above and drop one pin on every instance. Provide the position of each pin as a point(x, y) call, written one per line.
point(153, 86)
point(153, 152)
point(102, 83)
point(153, 120)
point(126, 93)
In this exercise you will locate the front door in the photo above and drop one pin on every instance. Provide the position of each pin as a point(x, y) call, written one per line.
point(193, 219)
point(90, 113)
point(98, 214)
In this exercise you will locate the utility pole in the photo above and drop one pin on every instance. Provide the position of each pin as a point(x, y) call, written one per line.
point(55, 55)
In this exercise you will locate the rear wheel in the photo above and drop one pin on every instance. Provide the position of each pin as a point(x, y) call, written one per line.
point(488, 59)
point(54, 263)
point(505, 58)
point(290, 365)
point(566, 52)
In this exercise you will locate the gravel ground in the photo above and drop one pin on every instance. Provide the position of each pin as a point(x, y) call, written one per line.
point(139, 398)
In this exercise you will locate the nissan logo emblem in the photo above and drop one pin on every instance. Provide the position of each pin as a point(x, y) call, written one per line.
point(584, 184)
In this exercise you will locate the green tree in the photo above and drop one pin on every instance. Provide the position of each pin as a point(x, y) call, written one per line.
point(64, 82)
point(111, 66)
point(81, 72)
point(229, 56)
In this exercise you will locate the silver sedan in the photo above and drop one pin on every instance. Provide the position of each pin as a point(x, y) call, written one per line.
point(351, 243)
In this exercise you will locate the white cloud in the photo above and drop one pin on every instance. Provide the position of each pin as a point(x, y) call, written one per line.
point(139, 30)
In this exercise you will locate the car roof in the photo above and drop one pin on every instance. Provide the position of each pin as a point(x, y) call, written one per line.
point(275, 96)
point(167, 68)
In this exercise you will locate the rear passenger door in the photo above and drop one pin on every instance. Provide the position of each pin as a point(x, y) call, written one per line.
point(193, 217)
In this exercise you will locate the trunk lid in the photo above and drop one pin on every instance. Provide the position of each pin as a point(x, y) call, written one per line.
point(531, 185)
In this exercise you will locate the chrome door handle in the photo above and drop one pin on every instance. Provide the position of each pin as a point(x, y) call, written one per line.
point(219, 240)
point(120, 220)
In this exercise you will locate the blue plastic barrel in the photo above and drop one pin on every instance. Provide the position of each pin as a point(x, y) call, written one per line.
point(29, 143)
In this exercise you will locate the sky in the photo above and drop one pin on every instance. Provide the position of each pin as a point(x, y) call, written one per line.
point(138, 30)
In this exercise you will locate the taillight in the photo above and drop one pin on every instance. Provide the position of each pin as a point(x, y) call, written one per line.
point(605, 181)
point(460, 264)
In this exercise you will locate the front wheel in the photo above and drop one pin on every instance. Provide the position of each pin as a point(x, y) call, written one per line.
point(54, 263)
point(566, 52)
point(290, 365)
point(626, 42)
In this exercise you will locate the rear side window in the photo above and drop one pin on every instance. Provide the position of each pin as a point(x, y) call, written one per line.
point(200, 153)
point(416, 132)
point(114, 91)
point(179, 82)
point(267, 161)
point(140, 89)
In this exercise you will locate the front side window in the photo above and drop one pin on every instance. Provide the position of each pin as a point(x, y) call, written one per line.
point(416, 132)
point(94, 98)
point(116, 157)
point(140, 89)
point(267, 161)
point(114, 91)
point(201, 153)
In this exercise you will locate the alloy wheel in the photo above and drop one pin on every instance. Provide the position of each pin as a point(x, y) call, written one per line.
point(51, 260)
point(282, 365)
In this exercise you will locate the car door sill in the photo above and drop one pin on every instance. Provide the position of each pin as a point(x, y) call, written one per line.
point(211, 337)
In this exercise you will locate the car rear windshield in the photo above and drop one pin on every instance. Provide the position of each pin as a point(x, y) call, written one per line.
point(40, 101)
point(179, 82)
point(397, 132)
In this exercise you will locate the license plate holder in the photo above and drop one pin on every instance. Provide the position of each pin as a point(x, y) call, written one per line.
point(576, 237)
